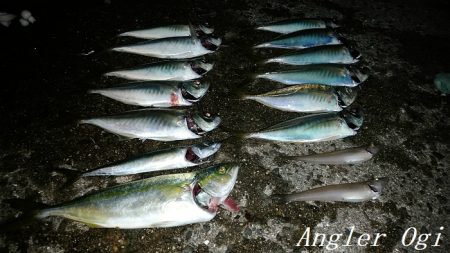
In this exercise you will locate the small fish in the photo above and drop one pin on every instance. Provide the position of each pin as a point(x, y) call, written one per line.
point(332, 75)
point(303, 39)
point(161, 201)
point(168, 31)
point(167, 159)
point(318, 55)
point(349, 192)
point(6, 18)
point(345, 156)
point(289, 26)
point(165, 71)
point(307, 98)
point(157, 94)
point(313, 128)
point(442, 82)
point(173, 48)
point(157, 124)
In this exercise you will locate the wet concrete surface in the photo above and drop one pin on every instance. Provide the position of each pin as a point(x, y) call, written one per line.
point(43, 94)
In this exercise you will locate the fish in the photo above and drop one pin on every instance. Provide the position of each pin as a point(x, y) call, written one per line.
point(346, 156)
point(307, 98)
point(348, 192)
point(168, 31)
point(166, 159)
point(290, 26)
point(165, 71)
point(156, 94)
point(332, 75)
point(338, 54)
point(173, 47)
point(161, 201)
point(6, 18)
point(157, 124)
point(442, 82)
point(312, 128)
point(303, 39)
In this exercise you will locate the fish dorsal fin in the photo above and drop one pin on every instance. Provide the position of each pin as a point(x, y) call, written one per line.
point(300, 120)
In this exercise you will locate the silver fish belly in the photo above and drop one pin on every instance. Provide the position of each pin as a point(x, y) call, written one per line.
point(311, 128)
point(167, 48)
point(157, 124)
point(165, 71)
point(349, 192)
point(337, 54)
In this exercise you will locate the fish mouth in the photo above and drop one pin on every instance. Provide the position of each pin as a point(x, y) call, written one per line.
point(378, 185)
point(353, 118)
point(372, 149)
point(206, 149)
point(346, 96)
point(202, 124)
point(194, 91)
point(201, 68)
point(210, 43)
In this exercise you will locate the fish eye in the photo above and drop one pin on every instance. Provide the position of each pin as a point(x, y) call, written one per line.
point(222, 170)
point(196, 84)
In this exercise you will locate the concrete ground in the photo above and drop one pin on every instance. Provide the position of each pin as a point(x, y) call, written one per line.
point(45, 78)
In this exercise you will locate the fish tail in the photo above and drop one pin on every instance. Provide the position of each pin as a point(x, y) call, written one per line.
point(263, 45)
point(94, 91)
point(31, 211)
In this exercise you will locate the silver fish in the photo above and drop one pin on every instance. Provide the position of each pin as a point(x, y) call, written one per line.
point(303, 39)
point(156, 94)
point(167, 31)
point(167, 159)
point(173, 48)
point(157, 124)
point(307, 98)
point(345, 156)
point(332, 75)
point(289, 26)
point(165, 71)
point(162, 201)
point(313, 128)
point(349, 192)
point(319, 55)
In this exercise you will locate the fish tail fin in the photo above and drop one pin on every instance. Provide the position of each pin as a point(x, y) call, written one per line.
point(280, 198)
point(234, 134)
point(262, 45)
point(94, 91)
point(31, 211)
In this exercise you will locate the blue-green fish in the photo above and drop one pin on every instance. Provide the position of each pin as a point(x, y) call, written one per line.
point(303, 39)
point(165, 71)
point(289, 26)
point(166, 159)
point(157, 94)
point(332, 75)
point(318, 55)
point(162, 201)
point(173, 48)
point(168, 31)
point(157, 124)
point(348, 192)
point(307, 98)
point(312, 128)
point(442, 82)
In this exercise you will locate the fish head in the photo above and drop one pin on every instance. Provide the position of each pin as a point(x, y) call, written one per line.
point(346, 96)
point(373, 149)
point(211, 43)
point(205, 150)
point(354, 53)
point(205, 123)
point(441, 81)
point(359, 75)
point(218, 181)
point(353, 118)
point(205, 29)
point(194, 91)
point(201, 67)
point(377, 186)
